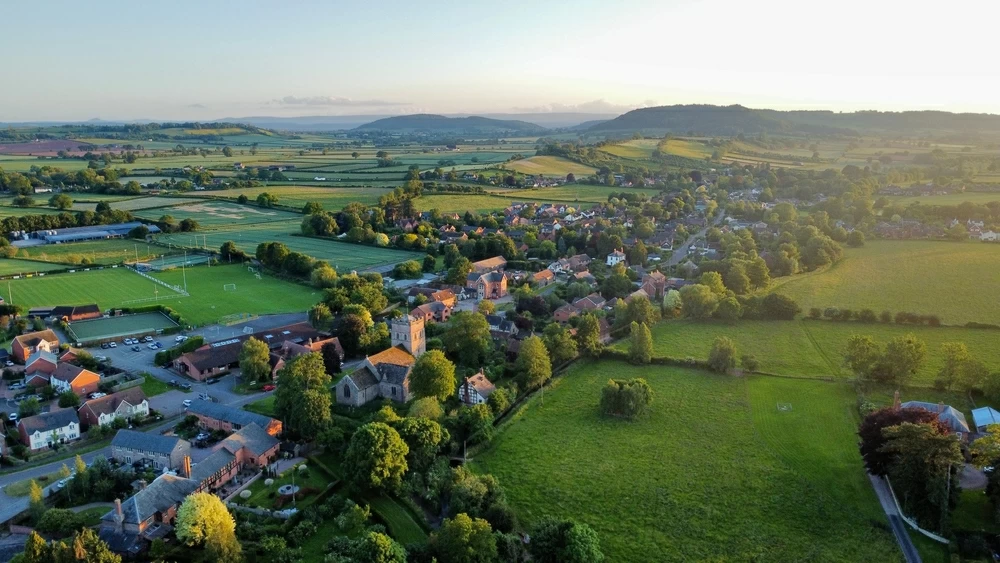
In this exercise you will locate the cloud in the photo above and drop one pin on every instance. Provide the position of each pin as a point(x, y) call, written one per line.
point(197, 106)
point(595, 106)
point(333, 101)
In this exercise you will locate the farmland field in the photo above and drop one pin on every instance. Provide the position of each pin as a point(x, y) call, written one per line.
point(813, 348)
point(550, 166)
point(637, 149)
point(110, 251)
point(215, 214)
point(86, 202)
point(583, 193)
point(714, 472)
point(980, 198)
point(914, 276)
point(342, 255)
point(332, 199)
point(688, 148)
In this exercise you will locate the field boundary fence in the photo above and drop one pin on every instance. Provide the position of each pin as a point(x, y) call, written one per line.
point(176, 288)
point(911, 522)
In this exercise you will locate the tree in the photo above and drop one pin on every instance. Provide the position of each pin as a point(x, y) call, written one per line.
point(312, 208)
point(202, 519)
point(376, 457)
point(872, 437)
point(86, 546)
point(759, 274)
point(564, 541)
point(255, 361)
point(29, 407)
point(641, 311)
point(464, 540)
point(672, 303)
point(459, 271)
point(856, 239)
point(713, 281)
point(61, 201)
point(533, 365)
point(722, 357)
point(986, 449)
point(474, 424)
point(60, 522)
point(424, 438)
point(698, 301)
point(749, 363)
point(36, 501)
point(778, 307)
point(36, 550)
point(640, 350)
point(486, 307)
point(956, 355)
point(428, 407)
point(433, 376)
point(626, 398)
point(925, 465)
point(729, 309)
point(375, 547)
point(320, 316)
point(737, 279)
point(68, 399)
point(331, 358)
point(303, 397)
point(560, 344)
point(355, 154)
point(265, 199)
point(588, 336)
point(499, 400)
point(903, 357)
point(468, 338)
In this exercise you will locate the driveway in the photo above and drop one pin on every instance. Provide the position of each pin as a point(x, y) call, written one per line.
point(898, 526)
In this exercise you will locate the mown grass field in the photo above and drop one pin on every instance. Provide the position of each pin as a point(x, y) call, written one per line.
point(220, 214)
point(715, 472)
point(12, 266)
point(980, 198)
point(813, 348)
point(109, 288)
point(332, 199)
point(550, 166)
point(111, 251)
point(956, 281)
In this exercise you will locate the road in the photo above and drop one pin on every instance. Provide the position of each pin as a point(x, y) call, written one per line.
point(898, 526)
point(681, 252)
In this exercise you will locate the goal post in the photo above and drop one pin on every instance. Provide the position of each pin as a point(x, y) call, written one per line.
point(229, 287)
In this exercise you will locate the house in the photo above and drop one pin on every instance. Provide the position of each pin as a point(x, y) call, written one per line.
point(44, 430)
point(585, 277)
point(215, 416)
point(592, 302)
point(434, 311)
point(989, 236)
point(252, 445)
point(75, 313)
point(27, 344)
point(289, 349)
point(161, 452)
point(70, 355)
point(495, 264)
point(985, 416)
point(492, 285)
point(147, 515)
point(68, 377)
point(953, 418)
point(39, 368)
point(500, 327)
point(616, 257)
point(445, 296)
point(475, 390)
point(219, 357)
point(543, 278)
point(657, 281)
point(126, 404)
point(563, 314)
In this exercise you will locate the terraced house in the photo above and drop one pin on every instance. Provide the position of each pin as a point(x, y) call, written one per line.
point(45, 430)
point(129, 446)
point(127, 405)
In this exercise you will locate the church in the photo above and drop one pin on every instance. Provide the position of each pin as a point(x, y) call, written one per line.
point(386, 374)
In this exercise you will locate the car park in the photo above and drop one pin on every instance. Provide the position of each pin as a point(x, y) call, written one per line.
point(151, 346)
point(137, 348)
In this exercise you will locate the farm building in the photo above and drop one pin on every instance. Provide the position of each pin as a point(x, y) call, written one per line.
point(93, 232)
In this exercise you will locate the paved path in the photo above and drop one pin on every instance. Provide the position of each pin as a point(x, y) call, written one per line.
point(82, 507)
point(972, 478)
point(898, 526)
point(681, 252)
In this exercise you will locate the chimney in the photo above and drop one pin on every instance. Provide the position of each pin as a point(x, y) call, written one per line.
point(186, 470)
point(940, 407)
point(119, 516)
point(895, 400)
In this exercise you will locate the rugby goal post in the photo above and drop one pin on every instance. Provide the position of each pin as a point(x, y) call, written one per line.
point(229, 287)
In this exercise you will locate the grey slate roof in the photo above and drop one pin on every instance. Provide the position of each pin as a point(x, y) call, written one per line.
point(392, 373)
point(253, 438)
point(229, 414)
point(364, 378)
point(165, 491)
point(211, 464)
point(132, 440)
point(49, 420)
point(954, 418)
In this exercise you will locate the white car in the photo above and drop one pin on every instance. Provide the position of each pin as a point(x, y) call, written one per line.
point(12, 417)
point(112, 344)
point(148, 339)
point(9, 363)
point(151, 346)
point(186, 403)
point(180, 338)
point(97, 395)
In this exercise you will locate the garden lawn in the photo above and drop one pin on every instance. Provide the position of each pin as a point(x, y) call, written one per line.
point(209, 301)
point(92, 516)
point(22, 488)
point(714, 472)
point(265, 406)
point(806, 348)
point(260, 497)
point(402, 525)
point(956, 281)
point(152, 386)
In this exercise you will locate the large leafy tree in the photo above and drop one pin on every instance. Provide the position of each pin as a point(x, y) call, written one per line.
point(255, 361)
point(564, 541)
point(872, 438)
point(202, 519)
point(376, 457)
point(424, 438)
point(468, 338)
point(924, 470)
point(303, 397)
point(640, 350)
point(465, 540)
point(588, 336)
point(433, 376)
point(698, 301)
point(560, 344)
point(375, 547)
point(722, 357)
point(533, 365)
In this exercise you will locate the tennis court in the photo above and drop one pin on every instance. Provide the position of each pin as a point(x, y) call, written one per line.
point(116, 327)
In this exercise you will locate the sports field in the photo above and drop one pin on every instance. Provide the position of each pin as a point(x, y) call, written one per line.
point(109, 288)
point(343, 256)
point(87, 202)
point(813, 348)
point(216, 214)
point(956, 281)
point(549, 166)
point(110, 251)
point(13, 266)
point(332, 199)
point(715, 471)
point(114, 327)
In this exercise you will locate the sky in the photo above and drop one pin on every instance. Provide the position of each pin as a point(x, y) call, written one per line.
point(209, 59)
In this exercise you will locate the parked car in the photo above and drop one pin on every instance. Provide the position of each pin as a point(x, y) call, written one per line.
point(12, 417)
point(104, 346)
point(136, 348)
point(269, 387)
point(151, 346)
point(62, 483)
point(18, 385)
point(148, 339)
point(9, 363)
point(180, 338)
point(186, 386)
point(186, 403)
point(172, 383)
point(112, 344)
point(158, 345)
point(101, 358)
point(97, 395)
point(212, 381)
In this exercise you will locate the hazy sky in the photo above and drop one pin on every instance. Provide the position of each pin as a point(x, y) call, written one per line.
point(205, 59)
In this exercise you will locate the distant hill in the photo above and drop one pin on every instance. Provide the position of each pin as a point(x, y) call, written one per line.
point(430, 123)
point(733, 120)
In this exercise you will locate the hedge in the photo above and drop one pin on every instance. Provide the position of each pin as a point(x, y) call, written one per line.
point(164, 357)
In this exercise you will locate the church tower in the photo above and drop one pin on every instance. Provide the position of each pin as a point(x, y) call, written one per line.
point(408, 332)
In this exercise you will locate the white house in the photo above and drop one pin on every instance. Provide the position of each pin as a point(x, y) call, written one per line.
point(476, 390)
point(989, 236)
point(616, 257)
point(127, 404)
point(43, 430)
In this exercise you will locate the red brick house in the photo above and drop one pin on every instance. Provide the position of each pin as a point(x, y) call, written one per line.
point(27, 344)
point(492, 285)
point(215, 416)
point(68, 377)
point(434, 311)
point(39, 368)
point(563, 314)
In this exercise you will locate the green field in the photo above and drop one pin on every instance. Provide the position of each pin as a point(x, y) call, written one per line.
point(110, 251)
point(13, 266)
point(979, 198)
point(342, 255)
point(216, 214)
point(688, 148)
point(715, 472)
point(580, 193)
point(549, 166)
point(332, 199)
point(113, 327)
point(956, 281)
point(813, 348)
point(109, 288)
point(88, 202)
point(636, 149)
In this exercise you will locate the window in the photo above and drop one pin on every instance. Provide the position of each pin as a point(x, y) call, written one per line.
point(347, 392)
point(393, 390)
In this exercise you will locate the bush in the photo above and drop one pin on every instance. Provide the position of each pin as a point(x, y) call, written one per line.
point(245, 494)
point(749, 363)
point(867, 316)
point(722, 358)
point(626, 398)
point(815, 313)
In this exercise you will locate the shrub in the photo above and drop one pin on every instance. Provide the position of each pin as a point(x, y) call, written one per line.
point(749, 363)
point(626, 398)
point(722, 358)
point(245, 494)
point(815, 313)
point(867, 316)
point(885, 317)
point(268, 482)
